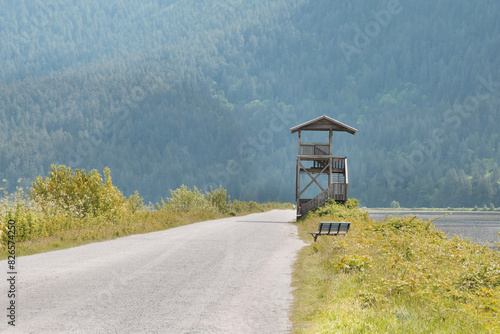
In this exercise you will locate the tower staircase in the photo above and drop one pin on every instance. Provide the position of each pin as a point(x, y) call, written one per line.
point(337, 190)
point(315, 162)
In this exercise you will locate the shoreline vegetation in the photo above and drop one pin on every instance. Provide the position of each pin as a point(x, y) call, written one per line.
point(70, 208)
point(399, 275)
point(395, 206)
point(482, 210)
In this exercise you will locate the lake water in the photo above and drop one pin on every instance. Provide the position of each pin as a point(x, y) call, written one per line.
point(480, 227)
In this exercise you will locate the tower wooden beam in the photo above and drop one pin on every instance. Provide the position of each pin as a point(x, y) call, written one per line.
point(322, 157)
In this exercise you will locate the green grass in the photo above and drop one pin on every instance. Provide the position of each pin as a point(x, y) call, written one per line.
point(401, 275)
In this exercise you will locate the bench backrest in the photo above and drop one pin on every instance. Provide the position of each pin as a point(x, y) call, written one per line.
point(333, 227)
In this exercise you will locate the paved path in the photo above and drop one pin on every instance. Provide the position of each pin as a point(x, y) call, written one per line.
point(224, 276)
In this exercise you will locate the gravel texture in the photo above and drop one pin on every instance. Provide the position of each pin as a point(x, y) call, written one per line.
point(229, 275)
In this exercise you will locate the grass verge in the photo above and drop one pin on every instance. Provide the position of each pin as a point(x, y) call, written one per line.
point(401, 275)
point(143, 221)
point(72, 207)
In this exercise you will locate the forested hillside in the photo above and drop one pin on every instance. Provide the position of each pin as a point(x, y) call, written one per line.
point(204, 93)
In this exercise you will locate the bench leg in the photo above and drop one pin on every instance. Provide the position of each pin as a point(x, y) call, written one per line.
point(315, 237)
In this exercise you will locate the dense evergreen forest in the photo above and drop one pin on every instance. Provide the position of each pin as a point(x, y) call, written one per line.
point(203, 92)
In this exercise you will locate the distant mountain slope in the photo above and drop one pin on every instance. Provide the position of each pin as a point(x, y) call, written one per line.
point(203, 93)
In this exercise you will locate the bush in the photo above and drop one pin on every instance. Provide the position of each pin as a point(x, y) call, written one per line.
point(77, 192)
point(346, 211)
point(219, 199)
point(395, 205)
point(242, 207)
point(188, 200)
point(352, 203)
point(135, 203)
point(71, 207)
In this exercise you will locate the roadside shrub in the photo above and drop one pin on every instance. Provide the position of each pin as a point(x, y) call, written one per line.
point(241, 207)
point(71, 207)
point(188, 200)
point(218, 198)
point(347, 211)
point(77, 192)
point(483, 276)
point(135, 203)
point(352, 203)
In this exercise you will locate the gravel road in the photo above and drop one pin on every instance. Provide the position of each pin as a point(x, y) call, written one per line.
point(224, 276)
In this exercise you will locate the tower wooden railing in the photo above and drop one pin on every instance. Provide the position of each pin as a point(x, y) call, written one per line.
point(335, 191)
point(312, 149)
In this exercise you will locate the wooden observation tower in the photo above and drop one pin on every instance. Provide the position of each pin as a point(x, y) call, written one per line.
point(316, 160)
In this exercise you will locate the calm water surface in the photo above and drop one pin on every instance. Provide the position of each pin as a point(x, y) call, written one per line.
point(480, 227)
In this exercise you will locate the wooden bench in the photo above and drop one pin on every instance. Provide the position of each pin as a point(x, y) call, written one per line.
point(331, 228)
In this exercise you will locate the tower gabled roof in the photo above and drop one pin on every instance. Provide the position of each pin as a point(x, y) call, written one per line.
point(323, 123)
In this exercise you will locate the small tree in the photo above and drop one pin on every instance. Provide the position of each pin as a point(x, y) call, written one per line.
point(77, 193)
point(219, 199)
point(187, 200)
point(395, 205)
point(135, 202)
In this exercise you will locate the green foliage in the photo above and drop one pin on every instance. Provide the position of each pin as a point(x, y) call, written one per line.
point(352, 203)
point(184, 200)
point(188, 200)
point(78, 193)
point(480, 277)
point(218, 198)
point(243, 207)
point(400, 275)
point(70, 208)
point(353, 263)
point(135, 202)
point(61, 91)
point(344, 211)
point(395, 205)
